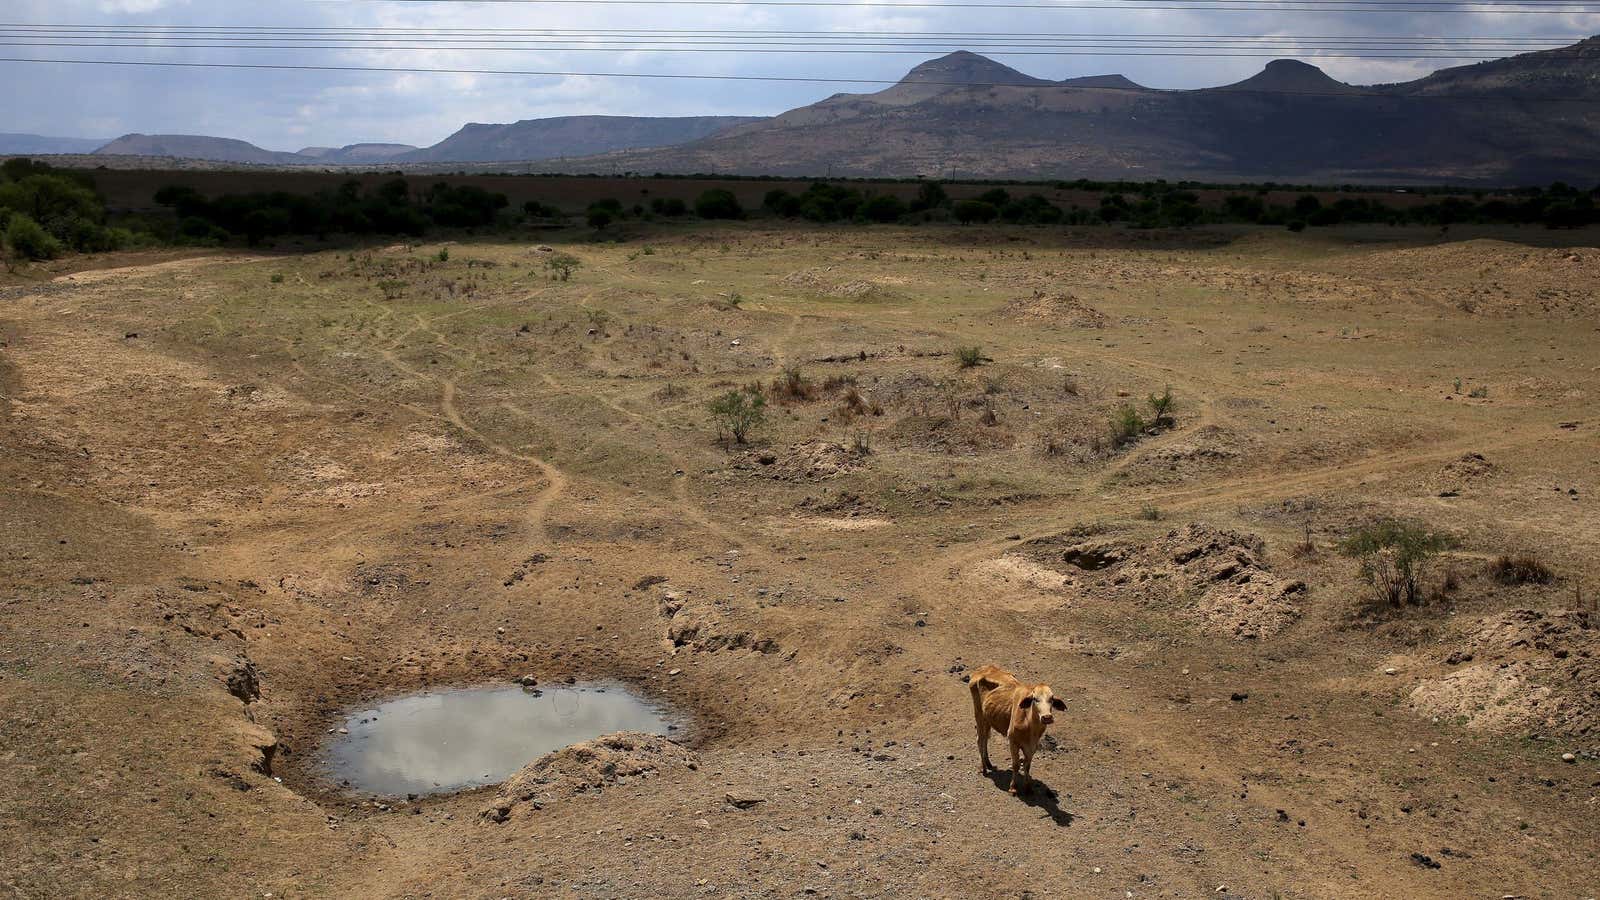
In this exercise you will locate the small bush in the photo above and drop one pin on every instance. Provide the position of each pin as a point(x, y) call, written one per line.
point(1479, 393)
point(1126, 425)
point(561, 266)
point(1161, 408)
point(793, 385)
point(737, 413)
point(1395, 559)
point(443, 255)
point(717, 203)
point(969, 211)
point(1150, 512)
point(861, 442)
point(969, 357)
point(1520, 568)
point(277, 278)
point(27, 239)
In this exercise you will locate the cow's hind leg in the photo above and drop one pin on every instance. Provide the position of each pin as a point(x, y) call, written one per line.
point(984, 766)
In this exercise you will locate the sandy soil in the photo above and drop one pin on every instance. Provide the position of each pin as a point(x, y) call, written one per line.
point(241, 493)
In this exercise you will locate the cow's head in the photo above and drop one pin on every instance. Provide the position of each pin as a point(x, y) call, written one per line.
point(1043, 702)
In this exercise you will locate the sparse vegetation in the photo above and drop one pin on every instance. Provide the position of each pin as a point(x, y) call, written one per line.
point(1396, 557)
point(793, 386)
point(561, 266)
point(1161, 406)
point(969, 357)
point(1520, 568)
point(1150, 512)
point(1126, 425)
point(737, 413)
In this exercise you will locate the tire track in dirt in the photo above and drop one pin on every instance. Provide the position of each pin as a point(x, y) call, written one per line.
point(555, 478)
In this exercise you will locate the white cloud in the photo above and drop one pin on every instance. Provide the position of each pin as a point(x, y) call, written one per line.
point(277, 109)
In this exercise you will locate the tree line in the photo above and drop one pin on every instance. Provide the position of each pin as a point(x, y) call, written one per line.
point(45, 212)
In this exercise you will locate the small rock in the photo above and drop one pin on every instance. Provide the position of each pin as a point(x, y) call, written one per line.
point(742, 801)
point(1239, 696)
point(528, 681)
point(674, 671)
point(1569, 757)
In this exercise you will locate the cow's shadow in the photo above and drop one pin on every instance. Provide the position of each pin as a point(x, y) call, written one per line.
point(1037, 795)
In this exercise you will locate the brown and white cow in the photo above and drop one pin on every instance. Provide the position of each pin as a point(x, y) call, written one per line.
point(1017, 710)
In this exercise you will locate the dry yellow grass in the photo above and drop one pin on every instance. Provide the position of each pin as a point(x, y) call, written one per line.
point(383, 472)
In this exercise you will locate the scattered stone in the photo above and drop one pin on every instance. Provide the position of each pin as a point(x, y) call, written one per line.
point(742, 801)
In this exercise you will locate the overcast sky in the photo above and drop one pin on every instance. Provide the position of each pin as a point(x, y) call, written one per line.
point(283, 110)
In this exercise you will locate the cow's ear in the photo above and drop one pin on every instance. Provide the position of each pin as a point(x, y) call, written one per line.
point(1055, 703)
point(1026, 702)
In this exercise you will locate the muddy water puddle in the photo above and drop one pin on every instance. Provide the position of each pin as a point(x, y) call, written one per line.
point(449, 740)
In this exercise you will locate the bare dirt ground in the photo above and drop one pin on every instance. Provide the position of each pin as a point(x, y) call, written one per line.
point(241, 493)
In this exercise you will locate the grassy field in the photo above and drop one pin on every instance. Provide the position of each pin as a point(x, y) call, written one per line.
point(244, 491)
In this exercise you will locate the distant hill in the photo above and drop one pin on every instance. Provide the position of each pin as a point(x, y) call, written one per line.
point(355, 154)
point(194, 146)
point(12, 143)
point(537, 139)
point(1505, 121)
point(524, 141)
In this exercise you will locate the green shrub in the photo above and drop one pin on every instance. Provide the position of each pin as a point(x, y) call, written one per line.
point(27, 239)
point(717, 203)
point(1126, 425)
point(443, 254)
point(1395, 559)
point(737, 413)
point(883, 208)
point(1161, 408)
point(969, 211)
point(969, 357)
point(561, 266)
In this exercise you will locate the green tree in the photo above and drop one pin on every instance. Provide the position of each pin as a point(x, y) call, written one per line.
point(737, 413)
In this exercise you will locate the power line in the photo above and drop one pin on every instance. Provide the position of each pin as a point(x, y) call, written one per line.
point(497, 32)
point(1354, 93)
point(1554, 7)
point(1118, 51)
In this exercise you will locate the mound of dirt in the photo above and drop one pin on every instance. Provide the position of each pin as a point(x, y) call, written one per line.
point(826, 281)
point(944, 434)
point(1054, 309)
point(692, 626)
point(587, 767)
point(1457, 474)
point(807, 461)
point(1209, 449)
point(1530, 671)
point(1218, 577)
